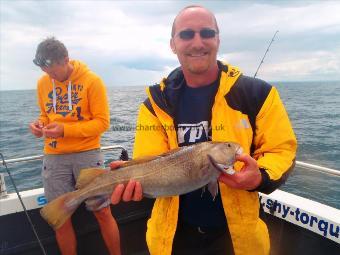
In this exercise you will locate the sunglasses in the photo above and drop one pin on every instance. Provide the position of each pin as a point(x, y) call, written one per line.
point(41, 62)
point(205, 33)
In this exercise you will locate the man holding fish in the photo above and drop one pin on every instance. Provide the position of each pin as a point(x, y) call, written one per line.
point(206, 99)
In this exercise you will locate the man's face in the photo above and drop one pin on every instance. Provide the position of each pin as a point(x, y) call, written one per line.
point(196, 55)
point(58, 71)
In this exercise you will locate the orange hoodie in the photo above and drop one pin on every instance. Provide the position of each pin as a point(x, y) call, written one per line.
point(84, 119)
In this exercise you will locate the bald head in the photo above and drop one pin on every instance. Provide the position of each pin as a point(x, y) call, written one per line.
point(192, 8)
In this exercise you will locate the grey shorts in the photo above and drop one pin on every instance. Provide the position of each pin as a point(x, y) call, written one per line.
point(60, 172)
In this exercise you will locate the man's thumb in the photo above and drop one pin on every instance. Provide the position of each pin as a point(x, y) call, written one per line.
point(116, 164)
point(50, 125)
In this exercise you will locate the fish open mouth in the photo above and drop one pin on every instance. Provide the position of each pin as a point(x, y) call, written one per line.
point(239, 151)
point(226, 169)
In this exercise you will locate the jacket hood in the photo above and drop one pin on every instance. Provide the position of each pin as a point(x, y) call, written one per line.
point(79, 69)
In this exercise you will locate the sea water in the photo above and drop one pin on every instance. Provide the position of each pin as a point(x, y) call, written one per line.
point(313, 107)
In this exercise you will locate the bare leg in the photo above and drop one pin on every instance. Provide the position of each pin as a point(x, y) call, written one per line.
point(109, 230)
point(66, 239)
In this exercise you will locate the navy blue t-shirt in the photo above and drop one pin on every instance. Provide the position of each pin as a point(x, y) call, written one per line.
point(193, 123)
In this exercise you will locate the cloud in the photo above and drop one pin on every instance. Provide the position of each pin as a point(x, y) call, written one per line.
point(133, 37)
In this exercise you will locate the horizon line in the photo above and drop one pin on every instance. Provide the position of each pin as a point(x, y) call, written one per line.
point(112, 86)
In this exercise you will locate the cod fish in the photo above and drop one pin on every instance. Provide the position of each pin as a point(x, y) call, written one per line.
point(176, 172)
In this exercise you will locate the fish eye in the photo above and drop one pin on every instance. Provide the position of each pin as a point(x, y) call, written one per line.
point(229, 145)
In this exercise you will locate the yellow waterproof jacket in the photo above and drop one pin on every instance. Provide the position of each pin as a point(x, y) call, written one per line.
point(85, 117)
point(247, 111)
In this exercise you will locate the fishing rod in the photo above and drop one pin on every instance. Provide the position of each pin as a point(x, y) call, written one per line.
point(23, 205)
point(265, 53)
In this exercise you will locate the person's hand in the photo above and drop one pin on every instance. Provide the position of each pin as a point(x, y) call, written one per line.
point(248, 178)
point(53, 130)
point(36, 128)
point(132, 192)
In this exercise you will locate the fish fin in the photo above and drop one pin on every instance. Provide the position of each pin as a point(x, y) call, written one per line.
point(213, 189)
point(137, 161)
point(57, 212)
point(87, 175)
point(172, 151)
point(144, 159)
point(148, 195)
point(202, 191)
point(98, 202)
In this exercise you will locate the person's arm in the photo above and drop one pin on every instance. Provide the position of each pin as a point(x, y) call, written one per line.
point(150, 140)
point(275, 150)
point(275, 143)
point(150, 137)
point(43, 119)
point(37, 125)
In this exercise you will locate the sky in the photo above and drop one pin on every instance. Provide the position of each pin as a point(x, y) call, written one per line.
point(127, 42)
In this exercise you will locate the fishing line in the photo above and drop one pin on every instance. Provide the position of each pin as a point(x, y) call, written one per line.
point(23, 206)
point(265, 53)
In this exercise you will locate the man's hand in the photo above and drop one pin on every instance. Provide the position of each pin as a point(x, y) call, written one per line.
point(36, 128)
point(248, 178)
point(53, 130)
point(132, 192)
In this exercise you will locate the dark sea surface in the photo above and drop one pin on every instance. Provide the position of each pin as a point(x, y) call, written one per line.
point(313, 107)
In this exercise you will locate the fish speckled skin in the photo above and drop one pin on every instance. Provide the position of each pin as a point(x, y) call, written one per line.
point(174, 173)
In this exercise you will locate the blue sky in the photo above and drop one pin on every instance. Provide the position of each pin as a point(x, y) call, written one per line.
point(127, 42)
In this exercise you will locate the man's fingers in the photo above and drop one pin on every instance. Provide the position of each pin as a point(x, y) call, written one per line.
point(241, 157)
point(48, 133)
point(132, 191)
point(38, 124)
point(228, 180)
point(117, 194)
point(249, 162)
point(35, 130)
point(128, 193)
point(138, 194)
point(53, 130)
point(33, 127)
point(51, 125)
point(116, 164)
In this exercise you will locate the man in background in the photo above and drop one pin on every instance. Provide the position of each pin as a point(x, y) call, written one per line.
point(74, 112)
point(206, 99)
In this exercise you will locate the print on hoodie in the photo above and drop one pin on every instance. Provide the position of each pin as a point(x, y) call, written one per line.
point(62, 100)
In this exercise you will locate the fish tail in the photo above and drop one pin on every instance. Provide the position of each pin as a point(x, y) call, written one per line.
point(60, 209)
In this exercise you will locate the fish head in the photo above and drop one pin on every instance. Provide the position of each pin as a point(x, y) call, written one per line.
point(222, 155)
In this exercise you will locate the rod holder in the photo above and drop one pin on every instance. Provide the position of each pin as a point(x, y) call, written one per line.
point(3, 190)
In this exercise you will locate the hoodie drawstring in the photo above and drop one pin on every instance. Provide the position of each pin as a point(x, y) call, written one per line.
point(69, 96)
point(54, 97)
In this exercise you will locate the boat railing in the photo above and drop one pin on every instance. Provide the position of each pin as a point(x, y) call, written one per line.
point(301, 164)
point(39, 157)
point(317, 168)
point(3, 189)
